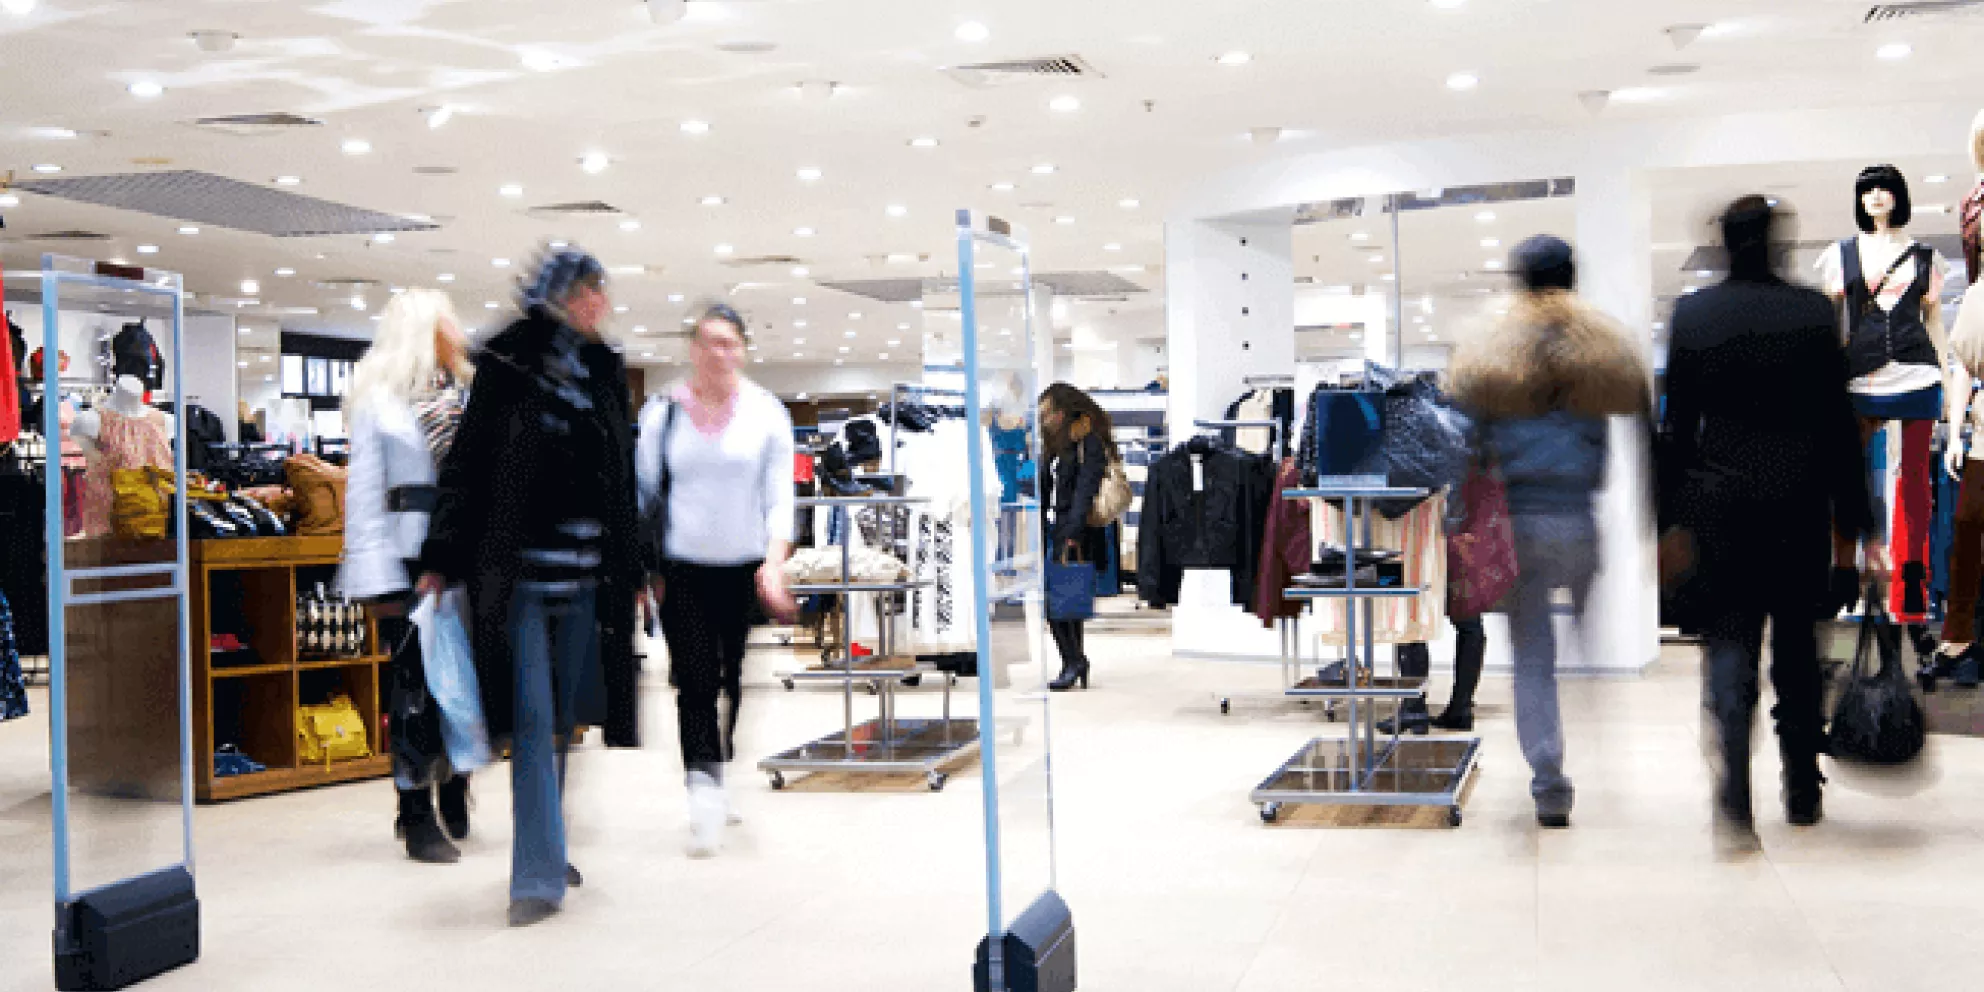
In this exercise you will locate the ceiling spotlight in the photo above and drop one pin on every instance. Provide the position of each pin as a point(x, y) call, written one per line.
point(640, 328)
point(799, 301)
point(622, 308)
point(356, 146)
point(1493, 265)
point(288, 180)
point(1491, 242)
point(285, 272)
point(1064, 219)
point(1939, 179)
point(802, 232)
point(1044, 169)
point(438, 117)
point(854, 315)
point(901, 258)
point(1233, 58)
point(844, 349)
point(809, 174)
point(676, 297)
point(189, 230)
point(895, 210)
point(1002, 187)
point(695, 127)
point(56, 133)
point(511, 191)
point(972, 32)
point(147, 249)
point(18, 7)
point(145, 89)
point(1112, 246)
point(1463, 81)
point(630, 224)
point(1128, 204)
point(801, 272)
point(894, 342)
point(1064, 104)
point(490, 305)
point(1485, 217)
point(713, 200)
point(1637, 94)
point(724, 250)
point(501, 263)
point(250, 287)
point(48, 168)
point(903, 326)
point(883, 357)
point(1360, 236)
point(802, 325)
point(1895, 52)
point(358, 303)
point(594, 163)
point(923, 142)
point(443, 277)
point(383, 238)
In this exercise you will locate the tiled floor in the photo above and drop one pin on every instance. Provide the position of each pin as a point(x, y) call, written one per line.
point(1175, 883)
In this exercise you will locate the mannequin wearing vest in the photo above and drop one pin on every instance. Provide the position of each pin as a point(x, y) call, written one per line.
point(1888, 286)
point(1967, 351)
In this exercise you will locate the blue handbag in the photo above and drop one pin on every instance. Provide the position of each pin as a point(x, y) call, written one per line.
point(1070, 590)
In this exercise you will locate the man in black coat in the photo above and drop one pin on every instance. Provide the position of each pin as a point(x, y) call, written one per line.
point(1762, 469)
point(537, 515)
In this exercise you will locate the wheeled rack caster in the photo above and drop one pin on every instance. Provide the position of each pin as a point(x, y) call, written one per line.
point(788, 684)
point(778, 781)
point(1453, 816)
point(1225, 706)
point(1269, 811)
point(937, 780)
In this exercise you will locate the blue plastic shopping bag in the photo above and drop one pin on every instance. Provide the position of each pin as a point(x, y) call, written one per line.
point(450, 666)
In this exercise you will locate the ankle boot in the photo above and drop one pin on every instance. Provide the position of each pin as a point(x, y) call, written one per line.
point(1804, 804)
point(424, 840)
point(1071, 673)
point(1413, 718)
point(1455, 717)
point(454, 806)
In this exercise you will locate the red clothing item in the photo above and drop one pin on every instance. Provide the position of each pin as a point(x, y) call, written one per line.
point(1287, 549)
point(10, 393)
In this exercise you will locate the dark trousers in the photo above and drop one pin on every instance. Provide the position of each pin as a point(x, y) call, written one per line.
point(1966, 558)
point(1068, 638)
point(705, 618)
point(1470, 652)
point(1734, 647)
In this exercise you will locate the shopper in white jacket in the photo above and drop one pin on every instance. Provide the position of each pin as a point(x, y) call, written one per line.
point(714, 463)
point(405, 401)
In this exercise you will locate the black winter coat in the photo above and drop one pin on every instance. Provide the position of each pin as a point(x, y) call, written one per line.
point(1761, 456)
point(505, 474)
point(1219, 527)
point(1073, 479)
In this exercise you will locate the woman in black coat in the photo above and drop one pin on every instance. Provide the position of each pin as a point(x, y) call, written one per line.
point(1079, 443)
point(1762, 470)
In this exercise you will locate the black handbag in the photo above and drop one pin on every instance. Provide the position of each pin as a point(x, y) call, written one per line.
point(1877, 719)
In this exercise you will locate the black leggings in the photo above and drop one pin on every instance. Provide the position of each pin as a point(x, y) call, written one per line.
point(1068, 637)
point(705, 618)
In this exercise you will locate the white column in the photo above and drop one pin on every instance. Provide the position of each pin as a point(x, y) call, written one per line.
point(1230, 298)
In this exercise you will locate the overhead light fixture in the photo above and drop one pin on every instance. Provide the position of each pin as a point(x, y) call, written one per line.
point(288, 180)
point(713, 200)
point(1129, 204)
point(640, 328)
point(799, 301)
point(695, 127)
point(1448, 4)
point(250, 287)
point(511, 191)
point(356, 146)
point(972, 32)
point(501, 263)
point(844, 349)
point(55, 133)
point(1938, 179)
point(147, 249)
point(1002, 187)
point(1638, 94)
point(383, 238)
point(901, 258)
point(848, 334)
point(1485, 217)
point(1463, 81)
point(1112, 246)
point(146, 89)
point(358, 303)
point(189, 230)
point(48, 168)
point(490, 305)
point(1377, 260)
point(285, 272)
point(9, 200)
point(1491, 242)
point(903, 326)
point(1895, 52)
point(923, 142)
point(854, 315)
point(594, 163)
point(894, 342)
point(629, 270)
point(621, 308)
point(809, 174)
point(1064, 104)
point(1044, 169)
point(630, 224)
point(724, 250)
point(1494, 265)
point(1064, 219)
point(801, 272)
point(883, 357)
point(801, 325)
point(676, 297)
point(1233, 58)
point(802, 232)
point(18, 8)
point(895, 210)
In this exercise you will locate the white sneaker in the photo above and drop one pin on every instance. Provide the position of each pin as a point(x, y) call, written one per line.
point(706, 815)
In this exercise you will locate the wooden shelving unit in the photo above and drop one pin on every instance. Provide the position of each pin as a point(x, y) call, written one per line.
point(254, 706)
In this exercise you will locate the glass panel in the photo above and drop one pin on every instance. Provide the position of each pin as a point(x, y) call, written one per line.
point(1003, 357)
point(118, 652)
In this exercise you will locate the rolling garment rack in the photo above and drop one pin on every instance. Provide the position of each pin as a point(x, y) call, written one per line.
point(887, 744)
point(1365, 768)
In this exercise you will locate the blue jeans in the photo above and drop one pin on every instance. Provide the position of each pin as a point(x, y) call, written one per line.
point(1552, 552)
point(554, 641)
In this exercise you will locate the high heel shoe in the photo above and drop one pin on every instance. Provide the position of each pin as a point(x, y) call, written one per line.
point(1070, 674)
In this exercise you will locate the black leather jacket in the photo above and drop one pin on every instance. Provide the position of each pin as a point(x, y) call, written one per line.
point(1219, 526)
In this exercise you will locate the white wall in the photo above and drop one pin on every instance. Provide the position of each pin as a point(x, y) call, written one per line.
point(210, 376)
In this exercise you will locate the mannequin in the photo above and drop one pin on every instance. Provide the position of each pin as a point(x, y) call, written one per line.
point(122, 433)
point(1957, 654)
point(1888, 286)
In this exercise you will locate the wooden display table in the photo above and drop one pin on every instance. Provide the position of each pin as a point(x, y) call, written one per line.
point(254, 705)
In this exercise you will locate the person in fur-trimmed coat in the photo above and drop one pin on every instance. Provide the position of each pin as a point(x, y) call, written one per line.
point(1542, 388)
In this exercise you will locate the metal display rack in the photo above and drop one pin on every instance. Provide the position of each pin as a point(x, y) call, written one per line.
point(1365, 768)
point(887, 744)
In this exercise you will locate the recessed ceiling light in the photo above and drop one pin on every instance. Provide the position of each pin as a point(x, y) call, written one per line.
point(250, 287)
point(9, 200)
point(802, 325)
point(1389, 277)
point(1936, 179)
point(1377, 260)
point(501, 263)
point(802, 232)
point(895, 210)
point(621, 308)
point(358, 303)
point(854, 315)
point(383, 237)
point(676, 297)
point(1491, 242)
point(285, 272)
point(511, 191)
point(147, 249)
point(801, 272)
point(445, 277)
point(630, 224)
point(145, 89)
point(883, 357)
point(594, 163)
point(848, 334)
point(760, 360)
point(1463, 81)
point(800, 354)
point(1689, 290)
point(724, 249)
point(923, 142)
point(1064, 104)
point(1128, 204)
point(1064, 219)
point(844, 349)
point(628, 270)
point(55, 133)
point(903, 326)
point(840, 361)
point(356, 146)
point(1485, 217)
point(1493, 265)
point(894, 342)
point(713, 201)
point(1233, 58)
point(48, 168)
point(799, 301)
point(695, 127)
point(900, 258)
point(640, 328)
point(1895, 51)
point(490, 305)
point(1044, 169)
point(1360, 236)
point(241, 365)
point(189, 230)
point(1002, 187)
point(972, 32)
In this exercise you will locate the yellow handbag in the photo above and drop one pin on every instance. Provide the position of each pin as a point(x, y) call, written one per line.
point(141, 499)
point(332, 731)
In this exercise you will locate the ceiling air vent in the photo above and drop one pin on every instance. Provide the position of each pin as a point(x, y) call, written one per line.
point(576, 208)
point(980, 75)
point(256, 125)
point(1675, 69)
point(69, 236)
point(1889, 12)
point(348, 282)
point(435, 170)
point(753, 261)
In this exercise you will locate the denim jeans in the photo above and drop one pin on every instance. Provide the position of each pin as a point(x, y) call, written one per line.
point(1734, 645)
point(1552, 552)
point(554, 641)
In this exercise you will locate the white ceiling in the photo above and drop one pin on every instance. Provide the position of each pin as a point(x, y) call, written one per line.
point(1162, 115)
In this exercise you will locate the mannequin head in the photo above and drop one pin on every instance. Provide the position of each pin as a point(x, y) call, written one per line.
point(1545, 263)
point(1880, 199)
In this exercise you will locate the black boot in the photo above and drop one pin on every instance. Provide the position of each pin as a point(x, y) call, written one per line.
point(1804, 804)
point(416, 823)
point(1413, 718)
point(454, 806)
point(1470, 652)
point(1460, 718)
point(1070, 674)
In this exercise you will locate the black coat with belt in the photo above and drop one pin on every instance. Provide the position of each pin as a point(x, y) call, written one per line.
point(1073, 479)
point(1761, 458)
point(1218, 527)
point(507, 476)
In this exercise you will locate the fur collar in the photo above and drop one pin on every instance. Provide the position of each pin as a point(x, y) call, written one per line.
point(1553, 352)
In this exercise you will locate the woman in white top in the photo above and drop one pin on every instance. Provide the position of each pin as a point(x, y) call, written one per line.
point(405, 402)
point(714, 462)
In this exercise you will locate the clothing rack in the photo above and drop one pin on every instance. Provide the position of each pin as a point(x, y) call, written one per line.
point(897, 393)
point(1276, 379)
point(1273, 427)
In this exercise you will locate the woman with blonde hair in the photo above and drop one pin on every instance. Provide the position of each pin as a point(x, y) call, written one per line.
point(404, 405)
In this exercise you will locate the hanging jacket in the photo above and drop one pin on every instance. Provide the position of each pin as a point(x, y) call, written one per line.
point(1219, 526)
point(1286, 549)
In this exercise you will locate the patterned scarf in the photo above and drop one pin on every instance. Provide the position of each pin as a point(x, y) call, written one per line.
point(438, 411)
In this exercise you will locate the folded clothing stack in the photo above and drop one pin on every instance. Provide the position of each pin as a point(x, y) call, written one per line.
point(822, 566)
